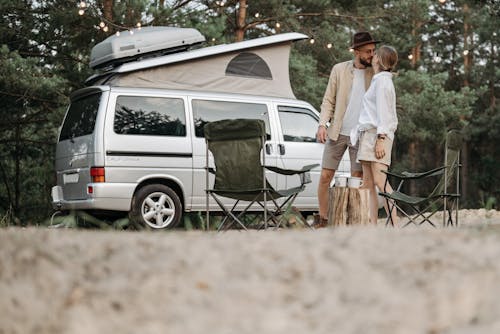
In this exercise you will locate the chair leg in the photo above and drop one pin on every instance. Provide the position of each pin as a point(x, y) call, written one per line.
point(390, 207)
point(228, 214)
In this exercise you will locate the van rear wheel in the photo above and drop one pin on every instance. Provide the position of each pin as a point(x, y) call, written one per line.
point(156, 206)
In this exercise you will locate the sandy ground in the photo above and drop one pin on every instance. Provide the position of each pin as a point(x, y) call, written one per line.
point(343, 280)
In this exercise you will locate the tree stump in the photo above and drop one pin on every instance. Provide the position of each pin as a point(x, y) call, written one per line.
point(358, 206)
point(348, 206)
point(339, 197)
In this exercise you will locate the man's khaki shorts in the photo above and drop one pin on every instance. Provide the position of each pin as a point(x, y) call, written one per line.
point(334, 150)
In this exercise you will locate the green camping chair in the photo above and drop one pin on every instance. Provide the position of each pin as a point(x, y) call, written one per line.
point(239, 158)
point(443, 196)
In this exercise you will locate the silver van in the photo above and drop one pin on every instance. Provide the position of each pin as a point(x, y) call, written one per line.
point(141, 149)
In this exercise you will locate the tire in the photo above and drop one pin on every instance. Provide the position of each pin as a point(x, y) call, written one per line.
point(156, 206)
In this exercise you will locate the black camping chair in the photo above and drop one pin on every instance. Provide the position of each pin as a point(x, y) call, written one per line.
point(443, 196)
point(239, 158)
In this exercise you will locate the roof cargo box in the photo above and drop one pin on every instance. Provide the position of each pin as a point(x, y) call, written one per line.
point(144, 42)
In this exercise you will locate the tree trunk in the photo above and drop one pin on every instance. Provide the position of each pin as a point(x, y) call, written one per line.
point(17, 175)
point(240, 22)
point(467, 67)
point(108, 9)
point(492, 81)
point(416, 50)
point(6, 183)
point(412, 154)
point(467, 53)
point(464, 172)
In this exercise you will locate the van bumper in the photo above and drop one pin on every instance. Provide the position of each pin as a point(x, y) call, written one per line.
point(105, 196)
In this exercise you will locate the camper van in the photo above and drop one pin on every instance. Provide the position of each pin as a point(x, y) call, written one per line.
point(133, 139)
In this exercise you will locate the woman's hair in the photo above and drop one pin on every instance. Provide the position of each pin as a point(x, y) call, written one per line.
point(387, 57)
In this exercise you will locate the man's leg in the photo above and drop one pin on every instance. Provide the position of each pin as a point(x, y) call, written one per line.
point(356, 169)
point(323, 196)
point(332, 155)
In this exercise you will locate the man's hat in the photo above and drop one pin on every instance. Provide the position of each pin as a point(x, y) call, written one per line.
point(362, 38)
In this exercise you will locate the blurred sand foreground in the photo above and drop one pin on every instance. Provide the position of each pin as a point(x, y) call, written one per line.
point(343, 280)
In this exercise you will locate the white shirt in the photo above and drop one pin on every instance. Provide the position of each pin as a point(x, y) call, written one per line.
point(353, 110)
point(379, 106)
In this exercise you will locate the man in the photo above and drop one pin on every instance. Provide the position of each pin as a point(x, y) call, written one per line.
point(341, 107)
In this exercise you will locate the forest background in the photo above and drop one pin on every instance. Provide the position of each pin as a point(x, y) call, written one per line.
point(448, 74)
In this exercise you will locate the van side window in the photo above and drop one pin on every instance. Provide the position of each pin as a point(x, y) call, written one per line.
point(80, 118)
point(205, 111)
point(144, 115)
point(298, 124)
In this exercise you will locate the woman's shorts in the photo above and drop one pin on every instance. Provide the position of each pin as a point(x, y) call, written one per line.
point(366, 150)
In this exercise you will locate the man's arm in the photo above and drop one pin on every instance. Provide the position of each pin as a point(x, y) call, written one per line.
point(327, 106)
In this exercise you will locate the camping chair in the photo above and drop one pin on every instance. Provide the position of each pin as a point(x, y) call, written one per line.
point(237, 148)
point(441, 197)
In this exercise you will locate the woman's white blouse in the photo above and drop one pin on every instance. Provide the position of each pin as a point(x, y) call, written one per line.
point(379, 106)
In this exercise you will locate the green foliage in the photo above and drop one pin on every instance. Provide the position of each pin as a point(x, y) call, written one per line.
point(32, 100)
point(302, 68)
point(426, 109)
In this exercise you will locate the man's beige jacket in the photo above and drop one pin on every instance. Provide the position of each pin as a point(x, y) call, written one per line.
point(337, 96)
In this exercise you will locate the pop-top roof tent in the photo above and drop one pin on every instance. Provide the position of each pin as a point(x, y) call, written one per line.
point(258, 66)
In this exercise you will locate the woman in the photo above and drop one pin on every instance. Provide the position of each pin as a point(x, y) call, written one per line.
point(377, 123)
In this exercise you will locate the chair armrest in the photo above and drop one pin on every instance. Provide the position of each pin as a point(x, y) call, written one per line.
point(291, 171)
point(412, 176)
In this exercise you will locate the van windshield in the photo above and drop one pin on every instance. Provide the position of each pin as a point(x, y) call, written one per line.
point(80, 118)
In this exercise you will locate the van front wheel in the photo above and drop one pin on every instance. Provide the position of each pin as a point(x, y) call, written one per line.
point(157, 206)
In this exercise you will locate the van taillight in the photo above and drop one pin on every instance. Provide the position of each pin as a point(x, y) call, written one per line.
point(97, 174)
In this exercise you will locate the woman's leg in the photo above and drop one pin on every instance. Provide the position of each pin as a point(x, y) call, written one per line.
point(379, 179)
point(370, 185)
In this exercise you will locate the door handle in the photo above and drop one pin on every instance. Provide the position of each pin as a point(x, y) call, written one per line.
point(281, 148)
point(269, 149)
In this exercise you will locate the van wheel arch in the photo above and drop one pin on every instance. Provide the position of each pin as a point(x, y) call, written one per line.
point(162, 196)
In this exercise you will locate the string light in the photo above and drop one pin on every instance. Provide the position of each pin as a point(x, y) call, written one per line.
point(257, 15)
point(442, 1)
point(83, 7)
point(311, 41)
point(329, 45)
point(466, 52)
point(410, 57)
point(278, 25)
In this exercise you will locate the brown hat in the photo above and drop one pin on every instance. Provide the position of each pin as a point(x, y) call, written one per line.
point(362, 38)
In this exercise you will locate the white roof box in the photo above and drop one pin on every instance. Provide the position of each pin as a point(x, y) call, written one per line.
point(143, 42)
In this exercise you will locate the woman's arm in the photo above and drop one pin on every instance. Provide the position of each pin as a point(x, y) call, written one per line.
point(386, 108)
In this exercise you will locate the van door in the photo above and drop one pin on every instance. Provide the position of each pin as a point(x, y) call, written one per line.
point(298, 147)
point(78, 142)
point(205, 110)
point(146, 137)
